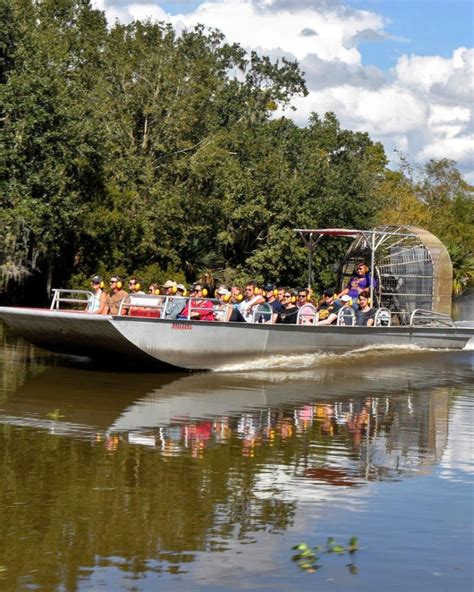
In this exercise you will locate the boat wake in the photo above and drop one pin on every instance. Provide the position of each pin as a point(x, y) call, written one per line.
point(297, 362)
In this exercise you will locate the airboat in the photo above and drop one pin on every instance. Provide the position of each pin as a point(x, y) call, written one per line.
point(411, 295)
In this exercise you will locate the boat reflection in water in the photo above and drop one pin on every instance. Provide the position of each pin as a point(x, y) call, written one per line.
point(145, 481)
point(383, 418)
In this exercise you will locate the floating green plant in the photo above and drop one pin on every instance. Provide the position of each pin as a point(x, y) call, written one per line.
point(54, 415)
point(309, 558)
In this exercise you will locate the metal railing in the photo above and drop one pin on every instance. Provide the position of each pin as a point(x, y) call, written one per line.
point(346, 317)
point(192, 309)
point(263, 313)
point(60, 296)
point(428, 318)
point(383, 318)
point(307, 315)
point(146, 305)
point(152, 306)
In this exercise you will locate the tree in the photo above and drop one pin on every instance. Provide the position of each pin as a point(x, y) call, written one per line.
point(50, 159)
point(434, 196)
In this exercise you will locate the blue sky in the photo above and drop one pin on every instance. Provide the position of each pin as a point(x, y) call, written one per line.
point(424, 27)
point(401, 70)
point(429, 27)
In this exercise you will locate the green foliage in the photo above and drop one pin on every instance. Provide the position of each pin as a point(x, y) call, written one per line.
point(54, 415)
point(138, 151)
point(436, 197)
point(309, 558)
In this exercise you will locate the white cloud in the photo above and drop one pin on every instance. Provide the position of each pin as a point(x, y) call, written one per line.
point(423, 106)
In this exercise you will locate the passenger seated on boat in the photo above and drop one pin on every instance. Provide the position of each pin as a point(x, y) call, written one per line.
point(198, 308)
point(271, 293)
point(365, 316)
point(244, 310)
point(117, 294)
point(307, 314)
point(176, 301)
point(236, 295)
point(290, 314)
point(134, 285)
point(223, 310)
point(154, 289)
point(346, 314)
point(359, 281)
point(98, 303)
point(302, 297)
point(328, 309)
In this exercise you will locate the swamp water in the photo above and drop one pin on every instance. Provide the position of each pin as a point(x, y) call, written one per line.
point(205, 481)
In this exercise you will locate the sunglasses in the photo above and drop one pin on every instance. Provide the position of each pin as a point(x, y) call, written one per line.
point(287, 295)
point(301, 295)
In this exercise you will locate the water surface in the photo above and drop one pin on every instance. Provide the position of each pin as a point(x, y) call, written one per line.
point(120, 481)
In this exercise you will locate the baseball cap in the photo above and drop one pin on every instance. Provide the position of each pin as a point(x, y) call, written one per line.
point(345, 298)
point(169, 284)
point(96, 279)
point(222, 291)
point(329, 292)
point(180, 287)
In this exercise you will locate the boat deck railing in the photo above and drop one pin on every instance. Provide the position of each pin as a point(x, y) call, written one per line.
point(70, 298)
point(153, 306)
point(428, 318)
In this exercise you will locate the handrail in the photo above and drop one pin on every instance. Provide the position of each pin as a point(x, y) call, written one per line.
point(383, 317)
point(421, 316)
point(158, 306)
point(344, 315)
point(262, 313)
point(198, 308)
point(57, 299)
point(307, 315)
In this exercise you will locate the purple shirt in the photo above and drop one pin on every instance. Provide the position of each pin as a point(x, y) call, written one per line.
point(357, 284)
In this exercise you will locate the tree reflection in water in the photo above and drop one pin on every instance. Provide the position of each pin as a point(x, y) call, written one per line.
point(143, 474)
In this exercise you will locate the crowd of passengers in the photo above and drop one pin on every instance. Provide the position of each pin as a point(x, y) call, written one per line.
point(238, 304)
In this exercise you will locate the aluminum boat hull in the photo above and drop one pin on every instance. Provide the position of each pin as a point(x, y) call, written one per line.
point(208, 345)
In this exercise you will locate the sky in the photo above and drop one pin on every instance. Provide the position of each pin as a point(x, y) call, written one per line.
point(401, 70)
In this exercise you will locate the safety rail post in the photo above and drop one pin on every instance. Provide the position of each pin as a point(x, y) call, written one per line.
point(54, 300)
point(307, 315)
point(429, 317)
point(146, 301)
point(346, 314)
point(261, 312)
point(201, 309)
point(57, 297)
point(383, 317)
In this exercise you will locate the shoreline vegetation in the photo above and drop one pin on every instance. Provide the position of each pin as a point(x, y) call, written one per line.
point(135, 150)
